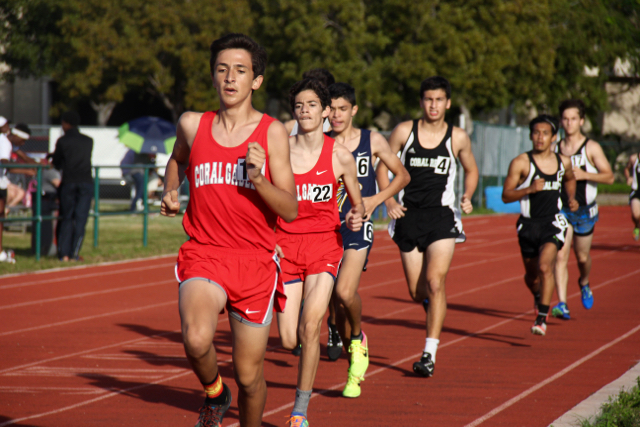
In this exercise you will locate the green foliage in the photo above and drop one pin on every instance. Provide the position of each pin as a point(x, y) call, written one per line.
point(621, 411)
point(496, 53)
point(615, 188)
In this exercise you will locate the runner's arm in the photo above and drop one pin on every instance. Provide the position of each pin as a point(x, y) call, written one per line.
point(599, 160)
point(380, 148)
point(468, 162)
point(397, 140)
point(518, 169)
point(175, 171)
point(569, 181)
point(280, 193)
point(629, 168)
point(344, 166)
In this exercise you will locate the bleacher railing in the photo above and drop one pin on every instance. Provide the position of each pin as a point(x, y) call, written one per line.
point(37, 218)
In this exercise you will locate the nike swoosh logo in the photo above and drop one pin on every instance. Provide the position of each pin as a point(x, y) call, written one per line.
point(320, 173)
point(362, 154)
point(251, 312)
point(331, 265)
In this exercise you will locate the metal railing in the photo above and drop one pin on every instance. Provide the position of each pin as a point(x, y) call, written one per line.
point(96, 214)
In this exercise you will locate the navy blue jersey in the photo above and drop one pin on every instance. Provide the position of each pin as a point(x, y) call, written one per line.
point(366, 174)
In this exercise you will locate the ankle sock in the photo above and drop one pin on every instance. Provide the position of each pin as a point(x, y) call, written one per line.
point(357, 337)
point(214, 391)
point(301, 403)
point(431, 347)
point(543, 311)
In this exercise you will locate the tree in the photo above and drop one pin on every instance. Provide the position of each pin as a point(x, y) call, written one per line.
point(103, 50)
point(592, 34)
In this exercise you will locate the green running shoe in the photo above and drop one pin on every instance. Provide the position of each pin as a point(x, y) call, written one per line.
point(359, 350)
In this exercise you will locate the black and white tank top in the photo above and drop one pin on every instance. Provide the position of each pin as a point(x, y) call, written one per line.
point(432, 171)
point(586, 191)
point(546, 203)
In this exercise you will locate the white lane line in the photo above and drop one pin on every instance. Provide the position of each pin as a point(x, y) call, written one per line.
point(552, 378)
point(86, 294)
point(112, 393)
point(455, 341)
point(61, 390)
point(90, 266)
point(87, 275)
point(82, 319)
point(334, 387)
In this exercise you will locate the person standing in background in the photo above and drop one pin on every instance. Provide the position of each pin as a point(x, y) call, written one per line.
point(49, 195)
point(72, 157)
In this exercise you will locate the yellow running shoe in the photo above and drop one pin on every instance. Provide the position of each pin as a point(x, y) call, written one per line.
point(359, 350)
point(636, 234)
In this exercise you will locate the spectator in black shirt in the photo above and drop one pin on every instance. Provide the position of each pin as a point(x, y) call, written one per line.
point(72, 157)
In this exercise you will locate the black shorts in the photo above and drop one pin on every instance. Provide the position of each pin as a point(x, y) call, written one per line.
point(3, 194)
point(419, 228)
point(535, 233)
point(358, 240)
point(635, 194)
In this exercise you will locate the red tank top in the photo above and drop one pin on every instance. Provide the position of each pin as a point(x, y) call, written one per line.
point(225, 210)
point(317, 205)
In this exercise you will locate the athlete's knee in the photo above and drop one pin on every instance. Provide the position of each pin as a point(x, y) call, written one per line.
point(289, 341)
point(249, 378)
point(345, 296)
point(198, 341)
point(309, 331)
point(583, 258)
point(547, 269)
point(435, 285)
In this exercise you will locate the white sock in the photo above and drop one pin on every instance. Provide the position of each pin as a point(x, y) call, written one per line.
point(431, 347)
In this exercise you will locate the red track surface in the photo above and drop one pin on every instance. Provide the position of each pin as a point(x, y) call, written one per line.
point(100, 345)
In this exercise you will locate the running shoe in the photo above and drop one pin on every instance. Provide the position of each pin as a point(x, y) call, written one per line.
point(587, 296)
point(425, 305)
point(424, 366)
point(561, 310)
point(358, 365)
point(212, 415)
point(334, 343)
point(8, 256)
point(298, 421)
point(539, 327)
point(297, 351)
point(636, 234)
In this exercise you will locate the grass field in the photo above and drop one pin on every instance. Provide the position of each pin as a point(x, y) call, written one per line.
point(622, 410)
point(120, 238)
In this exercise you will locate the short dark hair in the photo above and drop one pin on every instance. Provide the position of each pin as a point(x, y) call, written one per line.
point(310, 84)
point(23, 127)
point(545, 118)
point(240, 41)
point(322, 74)
point(433, 83)
point(71, 117)
point(343, 90)
point(573, 103)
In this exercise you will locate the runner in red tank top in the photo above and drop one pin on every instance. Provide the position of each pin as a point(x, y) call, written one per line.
point(240, 181)
point(311, 246)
